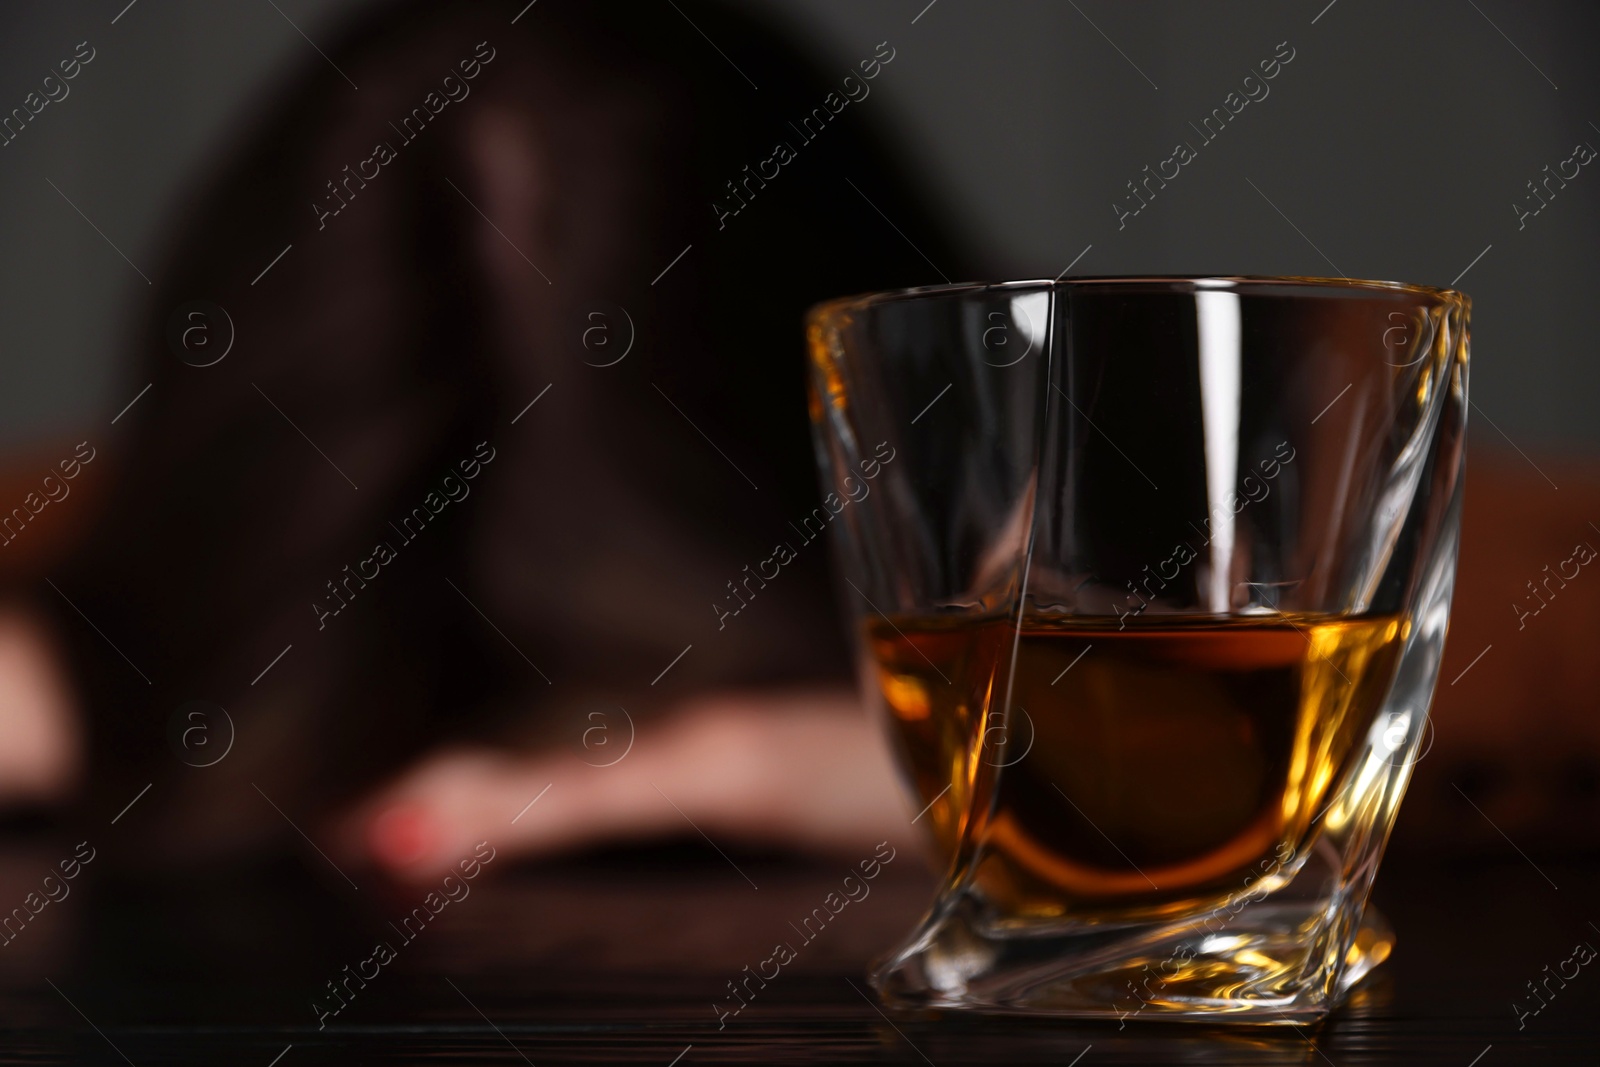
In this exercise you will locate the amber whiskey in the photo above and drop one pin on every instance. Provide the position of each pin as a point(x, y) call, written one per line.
point(1140, 768)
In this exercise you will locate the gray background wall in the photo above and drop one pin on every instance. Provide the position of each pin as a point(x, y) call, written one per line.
point(1396, 142)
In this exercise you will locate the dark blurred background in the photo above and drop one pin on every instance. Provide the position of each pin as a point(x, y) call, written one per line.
point(1396, 141)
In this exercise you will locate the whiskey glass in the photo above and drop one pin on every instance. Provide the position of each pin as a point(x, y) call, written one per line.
point(1150, 579)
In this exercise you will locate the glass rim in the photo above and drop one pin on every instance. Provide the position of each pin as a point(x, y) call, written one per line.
point(1227, 282)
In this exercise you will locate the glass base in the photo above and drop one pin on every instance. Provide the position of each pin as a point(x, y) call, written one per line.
point(1273, 963)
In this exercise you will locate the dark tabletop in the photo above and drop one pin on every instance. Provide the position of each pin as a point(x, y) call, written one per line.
point(619, 958)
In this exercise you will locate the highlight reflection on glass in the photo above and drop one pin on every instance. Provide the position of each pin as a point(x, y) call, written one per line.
point(1153, 607)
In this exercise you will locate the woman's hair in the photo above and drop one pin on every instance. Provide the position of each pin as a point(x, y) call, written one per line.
point(515, 399)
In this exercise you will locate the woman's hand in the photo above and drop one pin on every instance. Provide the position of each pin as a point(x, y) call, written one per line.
point(39, 743)
point(803, 769)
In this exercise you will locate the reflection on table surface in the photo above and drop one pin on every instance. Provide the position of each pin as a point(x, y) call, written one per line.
point(628, 957)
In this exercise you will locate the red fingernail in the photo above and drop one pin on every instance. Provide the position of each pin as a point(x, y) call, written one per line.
point(403, 836)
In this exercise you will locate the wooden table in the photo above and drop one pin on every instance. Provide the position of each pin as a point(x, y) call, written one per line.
point(618, 958)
